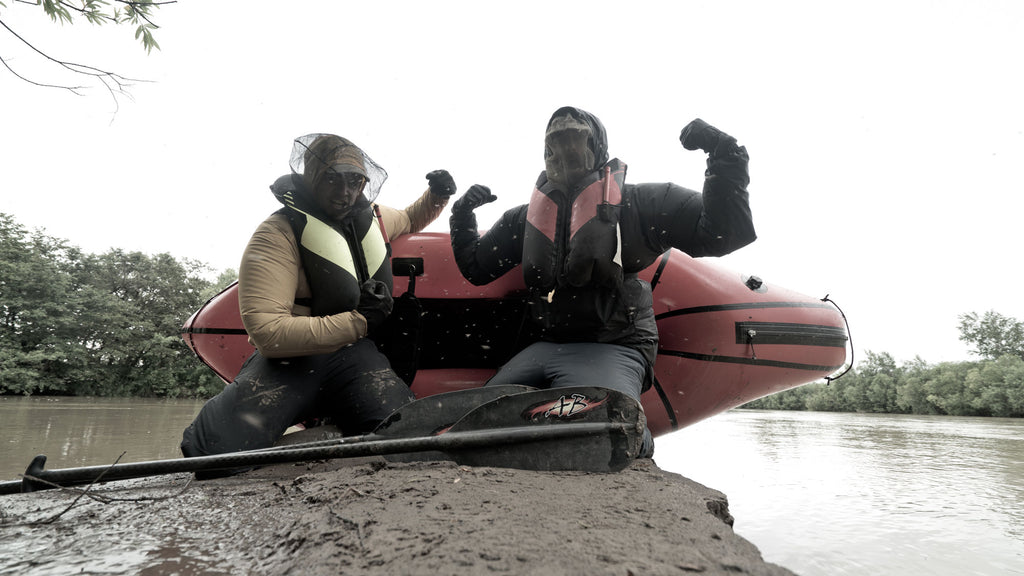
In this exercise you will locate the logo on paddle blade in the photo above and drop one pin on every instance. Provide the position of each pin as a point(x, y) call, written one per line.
point(574, 405)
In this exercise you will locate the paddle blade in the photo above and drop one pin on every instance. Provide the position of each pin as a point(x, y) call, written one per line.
point(609, 449)
point(435, 414)
point(422, 417)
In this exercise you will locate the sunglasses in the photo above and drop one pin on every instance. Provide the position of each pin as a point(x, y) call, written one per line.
point(352, 181)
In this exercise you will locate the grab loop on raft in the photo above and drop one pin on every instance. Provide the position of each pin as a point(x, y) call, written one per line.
point(849, 338)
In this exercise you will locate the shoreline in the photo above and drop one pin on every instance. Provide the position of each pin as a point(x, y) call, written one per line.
point(373, 517)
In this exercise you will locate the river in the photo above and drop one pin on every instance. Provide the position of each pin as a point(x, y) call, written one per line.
point(819, 493)
point(824, 494)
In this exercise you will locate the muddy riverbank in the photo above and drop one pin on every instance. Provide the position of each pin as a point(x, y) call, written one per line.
point(376, 518)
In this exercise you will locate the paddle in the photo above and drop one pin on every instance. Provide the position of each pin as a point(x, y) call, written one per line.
point(552, 411)
point(588, 429)
point(423, 417)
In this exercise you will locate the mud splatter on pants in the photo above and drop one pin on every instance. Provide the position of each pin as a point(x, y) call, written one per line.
point(355, 387)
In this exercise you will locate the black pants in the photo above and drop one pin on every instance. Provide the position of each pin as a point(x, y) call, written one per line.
point(553, 365)
point(355, 387)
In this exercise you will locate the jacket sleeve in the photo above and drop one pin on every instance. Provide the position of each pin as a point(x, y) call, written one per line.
point(484, 259)
point(714, 223)
point(268, 278)
point(414, 217)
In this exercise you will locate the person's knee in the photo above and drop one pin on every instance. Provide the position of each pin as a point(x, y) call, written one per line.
point(371, 398)
point(189, 442)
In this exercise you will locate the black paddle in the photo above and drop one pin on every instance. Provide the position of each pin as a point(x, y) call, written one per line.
point(423, 417)
point(588, 429)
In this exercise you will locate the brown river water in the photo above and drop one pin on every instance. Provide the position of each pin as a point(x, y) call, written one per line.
point(89, 431)
point(818, 493)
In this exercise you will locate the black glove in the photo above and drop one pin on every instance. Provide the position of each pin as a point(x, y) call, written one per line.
point(700, 134)
point(441, 183)
point(475, 197)
point(375, 303)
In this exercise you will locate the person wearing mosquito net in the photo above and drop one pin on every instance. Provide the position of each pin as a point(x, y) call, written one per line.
point(314, 281)
point(582, 240)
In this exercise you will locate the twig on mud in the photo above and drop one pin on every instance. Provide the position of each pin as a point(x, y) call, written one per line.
point(54, 518)
point(351, 525)
point(364, 494)
point(82, 492)
point(109, 499)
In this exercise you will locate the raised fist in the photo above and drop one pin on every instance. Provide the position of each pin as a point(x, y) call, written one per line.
point(475, 197)
point(441, 183)
point(698, 134)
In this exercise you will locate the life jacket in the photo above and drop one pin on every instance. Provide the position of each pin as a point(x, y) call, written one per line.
point(575, 240)
point(339, 257)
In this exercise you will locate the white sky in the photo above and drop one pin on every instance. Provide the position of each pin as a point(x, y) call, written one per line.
point(886, 138)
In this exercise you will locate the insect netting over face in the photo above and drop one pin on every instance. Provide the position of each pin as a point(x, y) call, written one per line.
point(336, 172)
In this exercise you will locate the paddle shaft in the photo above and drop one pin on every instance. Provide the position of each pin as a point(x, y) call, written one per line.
point(451, 442)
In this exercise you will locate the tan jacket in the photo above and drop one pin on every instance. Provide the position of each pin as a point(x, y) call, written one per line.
point(271, 278)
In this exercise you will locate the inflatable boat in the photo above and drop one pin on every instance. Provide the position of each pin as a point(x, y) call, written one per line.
point(725, 339)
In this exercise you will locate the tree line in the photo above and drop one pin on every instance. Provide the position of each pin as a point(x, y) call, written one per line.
point(73, 323)
point(991, 386)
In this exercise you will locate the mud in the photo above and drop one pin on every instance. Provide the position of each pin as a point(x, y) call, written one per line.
point(374, 517)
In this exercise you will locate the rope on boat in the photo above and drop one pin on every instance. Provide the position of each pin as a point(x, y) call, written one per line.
point(849, 336)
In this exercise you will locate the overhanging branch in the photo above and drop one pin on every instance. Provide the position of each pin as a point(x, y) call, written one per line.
point(136, 12)
point(113, 82)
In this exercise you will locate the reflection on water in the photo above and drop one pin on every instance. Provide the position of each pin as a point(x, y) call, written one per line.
point(824, 493)
point(89, 431)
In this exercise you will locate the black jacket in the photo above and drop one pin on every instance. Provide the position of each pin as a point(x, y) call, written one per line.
point(653, 219)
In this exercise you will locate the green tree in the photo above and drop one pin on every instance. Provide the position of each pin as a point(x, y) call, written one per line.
point(109, 324)
point(947, 389)
point(881, 394)
point(911, 394)
point(224, 279)
point(793, 399)
point(879, 377)
point(827, 397)
point(36, 332)
point(996, 388)
point(992, 334)
point(871, 387)
point(878, 384)
point(136, 340)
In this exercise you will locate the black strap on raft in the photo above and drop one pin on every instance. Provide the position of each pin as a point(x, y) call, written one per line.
point(829, 379)
point(401, 338)
point(661, 268)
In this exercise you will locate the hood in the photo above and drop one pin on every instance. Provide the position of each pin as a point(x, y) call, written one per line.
point(598, 141)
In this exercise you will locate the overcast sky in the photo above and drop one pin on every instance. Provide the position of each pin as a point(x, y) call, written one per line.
point(886, 138)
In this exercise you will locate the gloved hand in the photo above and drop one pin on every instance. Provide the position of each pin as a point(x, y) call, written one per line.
point(475, 197)
point(375, 303)
point(700, 134)
point(441, 183)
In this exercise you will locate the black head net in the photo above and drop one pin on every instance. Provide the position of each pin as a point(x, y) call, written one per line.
point(313, 155)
